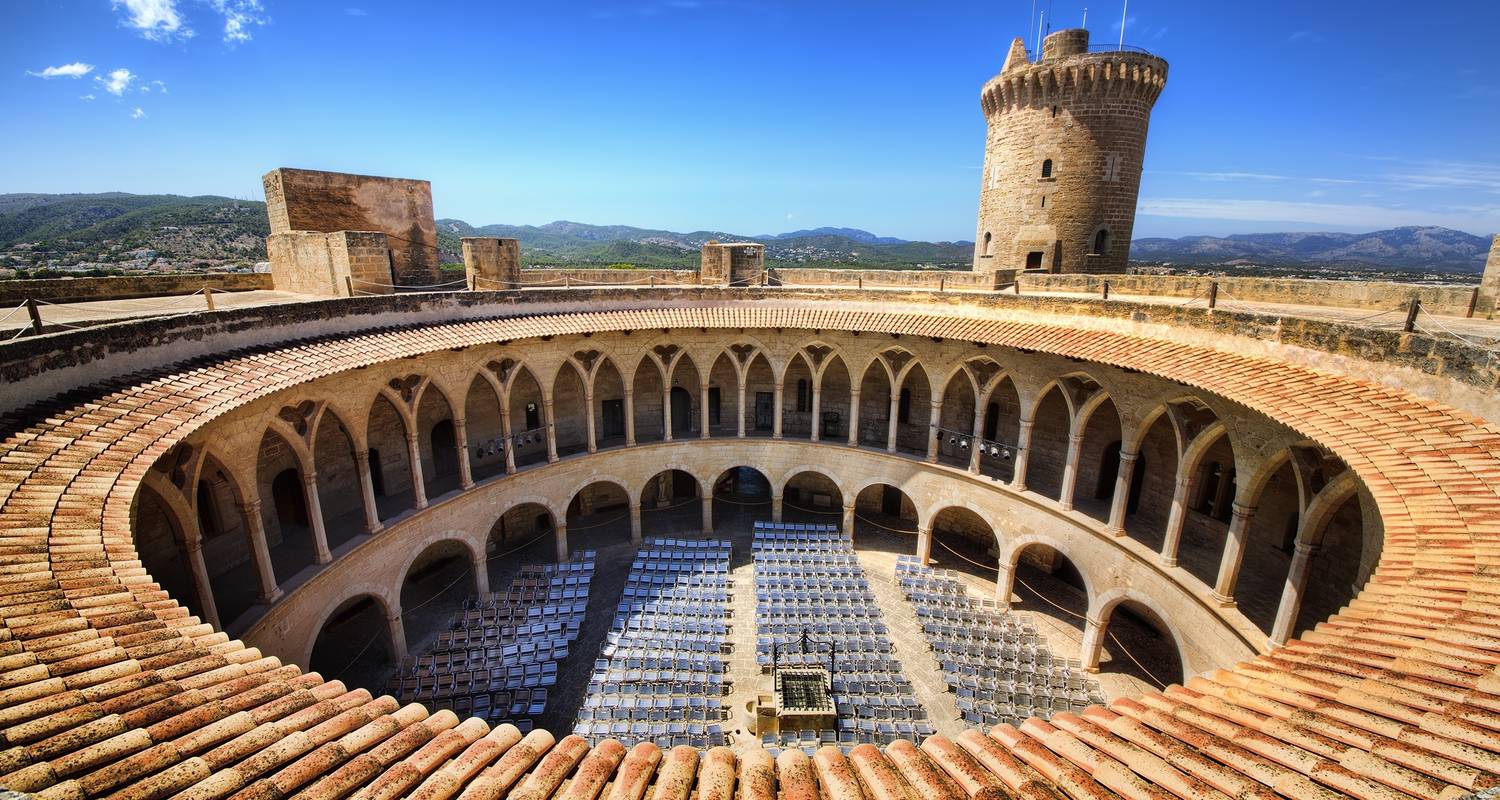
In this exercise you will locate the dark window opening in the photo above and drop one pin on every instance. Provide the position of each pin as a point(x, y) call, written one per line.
point(804, 395)
point(988, 246)
point(377, 476)
point(1101, 243)
point(991, 420)
point(903, 407)
point(533, 417)
point(713, 405)
point(1047, 168)
point(1034, 259)
point(444, 449)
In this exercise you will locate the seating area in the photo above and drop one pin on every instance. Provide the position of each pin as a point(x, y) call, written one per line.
point(814, 607)
point(995, 662)
point(500, 654)
point(661, 675)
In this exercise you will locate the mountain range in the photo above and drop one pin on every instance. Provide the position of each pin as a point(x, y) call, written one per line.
point(221, 230)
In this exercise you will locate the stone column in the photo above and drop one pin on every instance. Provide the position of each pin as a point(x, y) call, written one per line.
point(481, 573)
point(703, 411)
point(588, 401)
point(891, 429)
point(1070, 472)
point(924, 544)
point(635, 522)
point(255, 528)
point(1182, 493)
point(854, 417)
point(414, 454)
point(776, 402)
point(1234, 554)
point(629, 413)
point(192, 552)
point(1005, 584)
point(465, 470)
point(817, 408)
point(976, 448)
point(560, 539)
point(510, 442)
point(934, 436)
point(741, 431)
point(708, 514)
point(367, 493)
point(1291, 593)
point(848, 521)
point(315, 517)
point(666, 413)
point(550, 421)
point(1093, 642)
point(1120, 503)
point(776, 507)
point(1022, 456)
point(398, 636)
point(1489, 283)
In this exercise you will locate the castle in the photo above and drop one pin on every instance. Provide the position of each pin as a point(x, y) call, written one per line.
point(763, 534)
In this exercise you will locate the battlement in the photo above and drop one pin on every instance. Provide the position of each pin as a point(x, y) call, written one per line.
point(1070, 69)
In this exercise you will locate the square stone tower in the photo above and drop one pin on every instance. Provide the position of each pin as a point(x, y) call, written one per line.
point(326, 202)
point(732, 264)
point(492, 264)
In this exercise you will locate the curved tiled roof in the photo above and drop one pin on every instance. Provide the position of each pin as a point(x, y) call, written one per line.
point(109, 689)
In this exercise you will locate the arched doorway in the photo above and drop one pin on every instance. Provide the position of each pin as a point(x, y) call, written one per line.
point(885, 518)
point(527, 422)
point(1098, 460)
point(486, 431)
point(390, 466)
point(962, 540)
point(1137, 642)
point(599, 516)
point(340, 495)
point(1048, 584)
point(284, 515)
point(1048, 454)
point(609, 406)
point(683, 397)
point(434, 587)
point(682, 413)
point(354, 645)
point(812, 497)
point(438, 443)
point(569, 411)
point(522, 534)
point(670, 505)
point(1001, 429)
point(741, 496)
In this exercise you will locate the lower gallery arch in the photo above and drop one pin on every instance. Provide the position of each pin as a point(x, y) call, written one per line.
point(1044, 581)
point(1337, 568)
point(1209, 509)
point(810, 496)
point(1135, 640)
point(354, 644)
point(962, 540)
point(670, 504)
point(885, 518)
point(598, 515)
point(524, 532)
point(741, 496)
point(434, 586)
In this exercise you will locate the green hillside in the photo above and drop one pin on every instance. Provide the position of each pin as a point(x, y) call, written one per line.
point(105, 227)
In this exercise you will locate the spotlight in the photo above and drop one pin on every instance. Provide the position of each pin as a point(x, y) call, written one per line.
point(479, 451)
point(964, 444)
point(994, 450)
point(952, 440)
point(1004, 455)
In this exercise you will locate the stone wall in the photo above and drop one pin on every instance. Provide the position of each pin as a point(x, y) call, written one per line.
point(330, 264)
point(491, 262)
point(81, 290)
point(311, 200)
point(548, 276)
point(1449, 299)
point(905, 278)
point(1489, 286)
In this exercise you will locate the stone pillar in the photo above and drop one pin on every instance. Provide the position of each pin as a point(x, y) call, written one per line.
point(397, 632)
point(741, 408)
point(510, 443)
point(776, 402)
point(629, 413)
point(1234, 554)
point(635, 523)
point(560, 539)
point(854, 417)
point(1182, 493)
point(1291, 593)
point(934, 435)
point(588, 400)
point(490, 263)
point(481, 573)
point(708, 514)
point(1070, 472)
point(315, 517)
point(1093, 642)
point(666, 412)
point(776, 508)
point(703, 433)
point(891, 429)
point(367, 493)
point(848, 521)
point(1120, 502)
point(551, 423)
point(1022, 455)
point(1005, 584)
point(976, 448)
point(255, 528)
point(817, 409)
point(414, 454)
point(1489, 283)
point(924, 544)
point(192, 552)
point(465, 470)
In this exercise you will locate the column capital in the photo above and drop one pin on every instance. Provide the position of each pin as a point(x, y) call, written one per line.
point(309, 477)
point(251, 506)
point(1128, 457)
point(1242, 510)
point(1075, 439)
point(1305, 550)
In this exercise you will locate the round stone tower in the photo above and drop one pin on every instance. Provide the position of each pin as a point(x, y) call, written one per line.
point(1063, 155)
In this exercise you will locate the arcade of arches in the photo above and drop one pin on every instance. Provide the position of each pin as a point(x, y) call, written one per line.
point(1142, 515)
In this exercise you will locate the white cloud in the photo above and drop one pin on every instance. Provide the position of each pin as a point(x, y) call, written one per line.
point(1343, 215)
point(1310, 37)
point(117, 81)
point(86, 97)
point(138, 113)
point(157, 20)
point(77, 69)
point(160, 87)
point(356, 12)
point(239, 17)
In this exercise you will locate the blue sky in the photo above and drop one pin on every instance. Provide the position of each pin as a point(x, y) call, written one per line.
point(747, 115)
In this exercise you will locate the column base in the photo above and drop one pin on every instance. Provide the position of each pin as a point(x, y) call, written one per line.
point(1115, 532)
point(1169, 562)
point(466, 485)
point(270, 598)
point(1224, 602)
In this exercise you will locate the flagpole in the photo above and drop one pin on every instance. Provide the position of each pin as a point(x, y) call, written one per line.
point(1124, 14)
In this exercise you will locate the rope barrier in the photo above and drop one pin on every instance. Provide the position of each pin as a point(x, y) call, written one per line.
point(403, 286)
point(13, 311)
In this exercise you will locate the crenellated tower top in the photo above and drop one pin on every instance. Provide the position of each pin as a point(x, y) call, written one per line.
point(1070, 68)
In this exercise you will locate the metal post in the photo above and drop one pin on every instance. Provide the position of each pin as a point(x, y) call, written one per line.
point(349, 284)
point(942, 284)
point(36, 316)
point(208, 296)
point(1213, 294)
point(1411, 315)
point(1106, 290)
point(567, 282)
point(861, 281)
point(1017, 284)
point(1473, 302)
